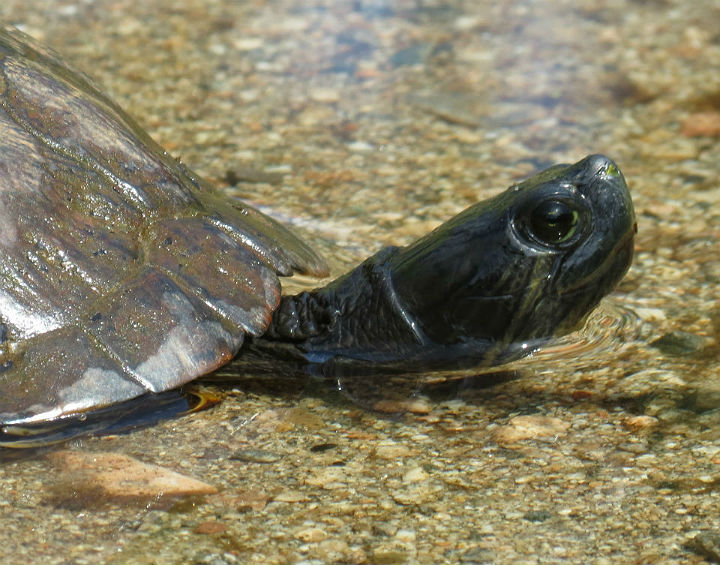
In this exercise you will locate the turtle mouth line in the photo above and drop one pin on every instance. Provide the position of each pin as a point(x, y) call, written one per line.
point(617, 262)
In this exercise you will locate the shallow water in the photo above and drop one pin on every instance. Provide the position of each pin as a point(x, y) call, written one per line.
point(368, 123)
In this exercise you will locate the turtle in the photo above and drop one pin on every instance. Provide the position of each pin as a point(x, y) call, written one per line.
point(124, 274)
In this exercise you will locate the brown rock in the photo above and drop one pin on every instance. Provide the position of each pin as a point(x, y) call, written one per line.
point(311, 535)
point(291, 496)
point(527, 427)
point(354, 434)
point(388, 449)
point(702, 124)
point(328, 478)
point(241, 500)
point(115, 476)
point(412, 405)
point(303, 418)
point(640, 423)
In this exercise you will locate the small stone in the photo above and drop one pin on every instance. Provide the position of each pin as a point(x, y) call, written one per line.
point(391, 450)
point(418, 406)
point(636, 448)
point(527, 427)
point(361, 147)
point(325, 95)
point(389, 556)
point(291, 496)
point(248, 43)
point(415, 475)
point(333, 551)
point(405, 535)
point(241, 500)
point(707, 544)
point(415, 495)
point(702, 124)
point(328, 478)
point(361, 435)
point(679, 343)
point(255, 456)
point(640, 423)
point(467, 22)
point(581, 394)
point(384, 529)
point(412, 405)
point(311, 535)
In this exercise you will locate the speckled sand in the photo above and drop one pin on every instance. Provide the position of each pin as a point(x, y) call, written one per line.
point(364, 123)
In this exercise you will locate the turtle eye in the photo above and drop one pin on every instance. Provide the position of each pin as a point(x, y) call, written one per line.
point(552, 222)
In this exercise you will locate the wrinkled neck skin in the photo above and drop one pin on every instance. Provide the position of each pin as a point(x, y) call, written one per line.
point(406, 306)
point(358, 316)
point(359, 319)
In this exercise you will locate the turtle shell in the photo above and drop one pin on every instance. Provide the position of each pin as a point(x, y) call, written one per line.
point(121, 272)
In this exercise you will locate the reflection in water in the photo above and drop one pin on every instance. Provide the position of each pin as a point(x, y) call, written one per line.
point(145, 411)
point(604, 332)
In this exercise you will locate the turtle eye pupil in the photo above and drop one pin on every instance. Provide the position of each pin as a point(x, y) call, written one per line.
point(553, 221)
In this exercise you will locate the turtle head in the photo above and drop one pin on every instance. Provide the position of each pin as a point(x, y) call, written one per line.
point(485, 287)
point(528, 264)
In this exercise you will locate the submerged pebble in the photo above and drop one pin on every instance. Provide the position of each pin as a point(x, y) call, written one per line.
point(680, 343)
point(102, 477)
point(529, 427)
point(707, 544)
point(255, 456)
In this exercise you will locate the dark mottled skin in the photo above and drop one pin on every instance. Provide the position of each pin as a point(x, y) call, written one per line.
point(357, 312)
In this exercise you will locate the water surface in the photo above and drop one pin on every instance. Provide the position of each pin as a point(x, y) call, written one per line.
point(368, 123)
